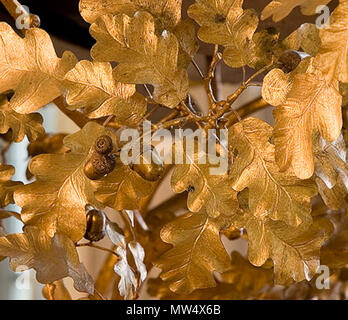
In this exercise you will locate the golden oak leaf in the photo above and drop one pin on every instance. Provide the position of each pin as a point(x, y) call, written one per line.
point(206, 190)
point(242, 281)
point(52, 258)
point(294, 250)
point(123, 189)
point(312, 105)
point(309, 38)
point(167, 12)
point(143, 57)
point(19, 124)
point(279, 9)
point(56, 202)
point(331, 170)
point(91, 86)
point(196, 254)
point(283, 196)
point(332, 59)
point(31, 68)
point(46, 144)
point(277, 84)
point(7, 187)
point(225, 23)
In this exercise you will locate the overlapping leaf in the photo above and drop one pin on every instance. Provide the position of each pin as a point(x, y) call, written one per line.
point(52, 258)
point(92, 86)
point(123, 189)
point(312, 105)
point(19, 124)
point(331, 170)
point(206, 190)
point(30, 67)
point(225, 23)
point(142, 56)
point(196, 254)
point(7, 187)
point(56, 201)
point(279, 9)
point(166, 13)
point(332, 59)
point(294, 250)
point(274, 194)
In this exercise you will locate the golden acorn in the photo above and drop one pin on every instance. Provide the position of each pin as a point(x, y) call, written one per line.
point(290, 59)
point(104, 145)
point(96, 224)
point(152, 171)
point(99, 165)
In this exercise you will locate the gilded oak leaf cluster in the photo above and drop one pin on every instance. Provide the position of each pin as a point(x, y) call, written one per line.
point(281, 189)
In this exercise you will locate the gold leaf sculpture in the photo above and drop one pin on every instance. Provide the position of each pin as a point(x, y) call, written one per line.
point(56, 203)
point(256, 209)
point(91, 86)
point(332, 58)
point(225, 23)
point(255, 168)
point(294, 250)
point(197, 252)
point(303, 114)
point(19, 124)
point(140, 55)
point(30, 68)
point(53, 259)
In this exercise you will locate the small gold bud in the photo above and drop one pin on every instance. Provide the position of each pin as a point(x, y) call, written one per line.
point(96, 224)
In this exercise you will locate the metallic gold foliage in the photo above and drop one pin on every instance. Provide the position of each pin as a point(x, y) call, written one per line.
point(206, 190)
point(92, 86)
point(197, 252)
point(333, 55)
point(56, 202)
point(283, 196)
point(331, 170)
point(122, 189)
point(7, 187)
point(19, 124)
point(225, 23)
point(294, 250)
point(52, 258)
point(312, 105)
point(142, 56)
point(279, 9)
point(242, 281)
point(166, 14)
point(30, 67)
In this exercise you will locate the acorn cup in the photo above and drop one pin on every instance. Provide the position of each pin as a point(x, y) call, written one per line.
point(96, 225)
point(99, 165)
point(104, 145)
